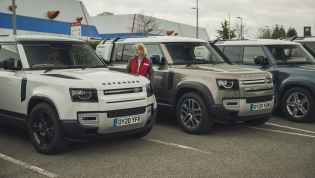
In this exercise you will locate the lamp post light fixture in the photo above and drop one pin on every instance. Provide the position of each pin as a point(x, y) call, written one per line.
point(197, 14)
point(241, 32)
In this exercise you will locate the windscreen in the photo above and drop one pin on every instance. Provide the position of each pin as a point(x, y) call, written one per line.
point(61, 55)
point(193, 52)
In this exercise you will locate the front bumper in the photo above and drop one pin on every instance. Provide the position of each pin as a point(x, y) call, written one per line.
point(242, 109)
point(73, 130)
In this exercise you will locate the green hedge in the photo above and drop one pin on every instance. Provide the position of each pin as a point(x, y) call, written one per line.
point(93, 43)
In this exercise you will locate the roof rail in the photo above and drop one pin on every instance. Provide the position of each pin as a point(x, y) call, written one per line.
point(303, 37)
point(3, 35)
point(289, 38)
point(219, 39)
point(216, 40)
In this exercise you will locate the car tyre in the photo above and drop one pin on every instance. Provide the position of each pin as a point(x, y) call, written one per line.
point(192, 114)
point(298, 105)
point(45, 130)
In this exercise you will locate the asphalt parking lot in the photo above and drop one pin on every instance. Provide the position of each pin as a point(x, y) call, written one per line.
point(277, 149)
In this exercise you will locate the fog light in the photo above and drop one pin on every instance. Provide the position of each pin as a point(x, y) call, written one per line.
point(88, 118)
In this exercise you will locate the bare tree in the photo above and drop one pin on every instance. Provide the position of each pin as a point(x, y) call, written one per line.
point(264, 33)
point(145, 24)
point(240, 32)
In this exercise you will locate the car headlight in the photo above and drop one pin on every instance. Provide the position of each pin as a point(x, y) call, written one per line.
point(227, 84)
point(83, 95)
point(269, 80)
point(149, 90)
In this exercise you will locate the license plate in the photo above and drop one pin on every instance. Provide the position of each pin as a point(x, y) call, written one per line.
point(259, 106)
point(126, 121)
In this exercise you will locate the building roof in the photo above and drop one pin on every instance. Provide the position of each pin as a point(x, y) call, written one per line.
point(159, 39)
point(254, 42)
point(128, 24)
point(21, 38)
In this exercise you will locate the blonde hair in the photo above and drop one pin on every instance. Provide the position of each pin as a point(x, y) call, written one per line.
point(141, 47)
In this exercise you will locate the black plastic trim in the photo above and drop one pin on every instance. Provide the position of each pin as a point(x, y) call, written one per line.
point(23, 89)
point(203, 89)
point(13, 118)
point(125, 101)
point(258, 99)
point(61, 76)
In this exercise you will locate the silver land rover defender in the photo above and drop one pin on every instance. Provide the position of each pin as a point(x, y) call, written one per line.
point(192, 77)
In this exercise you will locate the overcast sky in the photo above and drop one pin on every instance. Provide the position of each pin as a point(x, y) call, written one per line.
point(255, 13)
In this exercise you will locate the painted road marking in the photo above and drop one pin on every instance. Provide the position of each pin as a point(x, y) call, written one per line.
point(292, 128)
point(284, 132)
point(28, 166)
point(178, 146)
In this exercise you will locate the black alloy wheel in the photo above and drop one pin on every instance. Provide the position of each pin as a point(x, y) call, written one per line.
point(192, 114)
point(45, 130)
point(298, 105)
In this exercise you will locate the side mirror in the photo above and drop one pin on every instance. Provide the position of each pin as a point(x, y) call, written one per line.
point(12, 64)
point(157, 60)
point(104, 52)
point(261, 60)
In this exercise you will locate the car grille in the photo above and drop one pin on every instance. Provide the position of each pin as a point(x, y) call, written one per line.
point(259, 99)
point(123, 91)
point(251, 82)
point(125, 112)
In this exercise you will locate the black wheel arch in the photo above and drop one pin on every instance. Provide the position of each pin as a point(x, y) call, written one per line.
point(192, 86)
point(34, 100)
point(303, 84)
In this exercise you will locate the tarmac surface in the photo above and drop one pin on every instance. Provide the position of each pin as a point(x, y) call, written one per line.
point(279, 148)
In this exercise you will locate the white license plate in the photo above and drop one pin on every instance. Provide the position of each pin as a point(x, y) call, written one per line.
point(126, 121)
point(259, 106)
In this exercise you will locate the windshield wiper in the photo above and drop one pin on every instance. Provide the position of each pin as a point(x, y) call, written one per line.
point(85, 67)
point(50, 69)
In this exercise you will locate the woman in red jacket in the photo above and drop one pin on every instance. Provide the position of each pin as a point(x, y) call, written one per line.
point(140, 64)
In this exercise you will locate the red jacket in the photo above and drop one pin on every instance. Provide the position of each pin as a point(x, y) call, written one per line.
point(145, 67)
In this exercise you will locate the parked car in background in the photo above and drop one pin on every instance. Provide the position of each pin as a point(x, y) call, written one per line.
point(193, 79)
point(292, 67)
point(308, 43)
point(60, 90)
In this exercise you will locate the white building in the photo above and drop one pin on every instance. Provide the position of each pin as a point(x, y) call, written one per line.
point(108, 27)
point(36, 17)
point(70, 18)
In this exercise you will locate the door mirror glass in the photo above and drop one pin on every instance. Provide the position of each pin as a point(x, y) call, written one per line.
point(157, 60)
point(12, 64)
point(261, 60)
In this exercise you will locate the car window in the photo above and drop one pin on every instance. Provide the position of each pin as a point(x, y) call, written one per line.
point(118, 53)
point(233, 53)
point(290, 54)
point(128, 53)
point(201, 53)
point(60, 55)
point(193, 52)
point(250, 53)
point(7, 51)
point(310, 47)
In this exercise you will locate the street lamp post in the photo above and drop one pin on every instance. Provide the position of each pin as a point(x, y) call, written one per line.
point(197, 18)
point(14, 17)
point(268, 31)
point(241, 32)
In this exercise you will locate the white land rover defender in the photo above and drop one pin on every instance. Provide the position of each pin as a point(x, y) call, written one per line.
point(60, 90)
